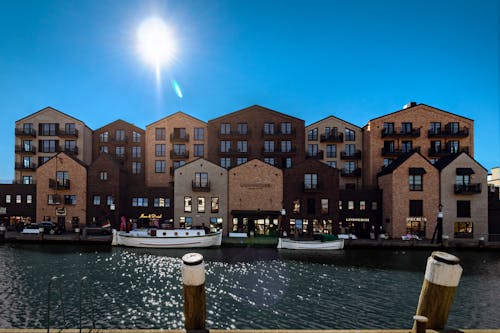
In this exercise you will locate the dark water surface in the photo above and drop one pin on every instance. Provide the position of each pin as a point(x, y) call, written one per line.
point(246, 288)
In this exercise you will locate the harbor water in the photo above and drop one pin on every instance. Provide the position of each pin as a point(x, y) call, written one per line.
point(247, 288)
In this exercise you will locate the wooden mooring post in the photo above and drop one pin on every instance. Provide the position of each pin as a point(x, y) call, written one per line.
point(442, 276)
point(193, 283)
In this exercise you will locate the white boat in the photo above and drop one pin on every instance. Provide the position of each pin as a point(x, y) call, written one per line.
point(160, 238)
point(286, 243)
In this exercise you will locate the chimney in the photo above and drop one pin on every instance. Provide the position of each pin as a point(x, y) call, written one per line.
point(409, 105)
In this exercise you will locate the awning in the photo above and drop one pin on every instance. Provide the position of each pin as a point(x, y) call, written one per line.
point(416, 171)
point(464, 171)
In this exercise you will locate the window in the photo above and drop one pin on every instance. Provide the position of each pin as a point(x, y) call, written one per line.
point(18, 199)
point(28, 146)
point(28, 128)
point(241, 160)
point(463, 208)
point(161, 202)
point(350, 135)
point(453, 127)
point(136, 137)
point(27, 179)
point(48, 129)
point(286, 146)
point(388, 128)
point(29, 199)
point(350, 149)
point(188, 205)
point(214, 205)
point(48, 146)
point(199, 150)
point(310, 181)
point(69, 128)
point(104, 149)
point(160, 150)
point(120, 152)
point(406, 146)
point(109, 200)
point(180, 133)
point(186, 222)
point(331, 151)
point(160, 134)
point(242, 146)
point(268, 128)
point(312, 135)
point(201, 179)
point(104, 137)
point(416, 182)
point(160, 166)
point(286, 128)
point(136, 152)
point(225, 129)
point(178, 164)
point(201, 204)
point(120, 135)
point(416, 208)
point(27, 162)
point(340, 204)
point(350, 205)
point(139, 202)
point(324, 206)
point(453, 146)
point(387, 161)
point(288, 162)
point(70, 146)
point(296, 206)
point(331, 164)
point(462, 179)
point(179, 149)
point(225, 162)
point(374, 205)
point(435, 146)
point(225, 146)
point(62, 178)
point(70, 199)
point(406, 128)
point(349, 167)
point(435, 128)
point(243, 128)
point(463, 230)
point(8, 198)
point(269, 146)
point(311, 206)
point(362, 205)
point(269, 160)
point(136, 167)
point(199, 133)
point(312, 150)
point(54, 199)
point(103, 175)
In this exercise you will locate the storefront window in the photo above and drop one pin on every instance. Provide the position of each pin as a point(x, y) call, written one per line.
point(464, 230)
point(324, 206)
point(296, 206)
point(215, 224)
point(415, 227)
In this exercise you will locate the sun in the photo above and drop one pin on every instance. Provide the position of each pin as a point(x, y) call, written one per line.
point(156, 43)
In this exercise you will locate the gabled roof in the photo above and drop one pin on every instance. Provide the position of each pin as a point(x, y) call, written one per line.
point(331, 116)
point(255, 106)
point(52, 109)
point(420, 104)
point(119, 121)
point(69, 156)
point(444, 161)
point(399, 161)
point(204, 161)
point(175, 114)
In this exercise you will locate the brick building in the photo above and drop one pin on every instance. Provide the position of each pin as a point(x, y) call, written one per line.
point(433, 132)
point(17, 204)
point(45, 133)
point(310, 196)
point(172, 142)
point(360, 212)
point(337, 143)
point(61, 191)
point(410, 194)
point(256, 132)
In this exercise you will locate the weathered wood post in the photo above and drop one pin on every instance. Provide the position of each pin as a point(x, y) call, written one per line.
point(442, 275)
point(193, 283)
point(420, 323)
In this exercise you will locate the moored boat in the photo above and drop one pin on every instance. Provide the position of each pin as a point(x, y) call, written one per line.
point(286, 243)
point(160, 238)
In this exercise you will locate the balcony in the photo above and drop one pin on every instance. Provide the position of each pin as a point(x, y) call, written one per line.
point(25, 149)
point(315, 155)
point(235, 134)
point(73, 133)
point(448, 132)
point(120, 157)
point(289, 134)
point(444, 152)
point(59, 184)
point(23, 166)
point(71, 150)
point(176, 137)
point(332, 137)
point(467, 188)
point(312, 187)
point(344, 155)
point(394, 152)
point(179, 155)
point(121, 140)
point(401, 133)
point(350, 173)
point(25, 132)
point(200, 186)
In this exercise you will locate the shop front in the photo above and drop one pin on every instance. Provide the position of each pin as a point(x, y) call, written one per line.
point(255, 223)
point(416, 226)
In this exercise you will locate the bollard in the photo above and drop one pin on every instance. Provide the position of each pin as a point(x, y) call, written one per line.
point(442, 275)
point(420, 324)
point(193, 283)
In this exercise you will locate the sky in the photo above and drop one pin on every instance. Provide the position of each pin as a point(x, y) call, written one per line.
point(354, 59)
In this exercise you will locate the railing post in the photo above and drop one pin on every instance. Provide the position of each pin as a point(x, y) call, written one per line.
point(193, 283)
point(52, 279)
point(442, 276)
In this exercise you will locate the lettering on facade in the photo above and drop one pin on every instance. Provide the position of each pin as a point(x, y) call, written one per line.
point(357, 219)
point(255, 186)
point(416, 219)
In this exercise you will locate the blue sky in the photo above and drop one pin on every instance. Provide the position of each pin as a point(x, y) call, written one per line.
point(355, 59)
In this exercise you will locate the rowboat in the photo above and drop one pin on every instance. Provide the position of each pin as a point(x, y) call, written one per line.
point(159, 238)
point(286, 243)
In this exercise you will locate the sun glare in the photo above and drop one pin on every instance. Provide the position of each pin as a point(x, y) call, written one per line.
point(156, 43)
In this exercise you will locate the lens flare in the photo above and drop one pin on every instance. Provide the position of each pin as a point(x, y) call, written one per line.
point(177, 88)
